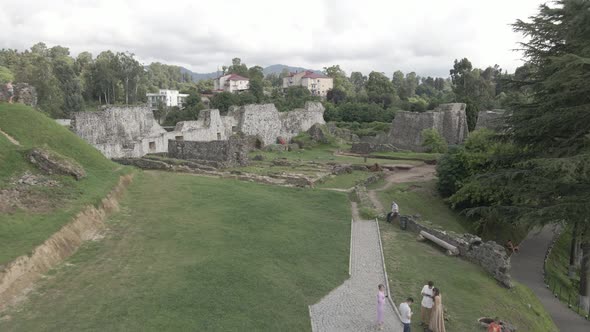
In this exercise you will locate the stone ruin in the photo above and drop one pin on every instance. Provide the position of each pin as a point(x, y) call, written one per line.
point(229, 153)
point(493, 119)
point(24, 93)
point(132, 132)
point(449, 120)
point(491, 256)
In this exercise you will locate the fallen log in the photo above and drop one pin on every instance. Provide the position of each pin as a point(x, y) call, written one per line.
point(451, 249)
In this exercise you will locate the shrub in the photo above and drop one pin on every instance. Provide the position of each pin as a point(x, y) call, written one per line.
point(368, 213)
point(433, 141)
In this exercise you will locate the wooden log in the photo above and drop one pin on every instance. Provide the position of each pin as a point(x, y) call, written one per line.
point(451, 249)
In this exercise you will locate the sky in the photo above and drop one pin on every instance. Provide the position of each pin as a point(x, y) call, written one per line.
point(424, 36)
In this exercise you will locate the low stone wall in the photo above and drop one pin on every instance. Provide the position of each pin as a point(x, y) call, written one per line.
point(230, 153)
point(491, 256)
point(367, 148)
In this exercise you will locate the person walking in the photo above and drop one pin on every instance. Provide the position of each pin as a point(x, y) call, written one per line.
point(380, 305)
point(394, 213)
point(10, 90)
point(427, 303)
point(405, 313)
point(437, 316)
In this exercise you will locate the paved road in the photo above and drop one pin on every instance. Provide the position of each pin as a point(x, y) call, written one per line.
point(527, 268)
point(352, 306)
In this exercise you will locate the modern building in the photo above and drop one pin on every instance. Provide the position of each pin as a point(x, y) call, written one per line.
point(231, 83)
point(168, 98)
point(317, 84)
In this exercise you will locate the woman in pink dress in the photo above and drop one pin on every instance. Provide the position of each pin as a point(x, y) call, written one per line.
point(380, 306)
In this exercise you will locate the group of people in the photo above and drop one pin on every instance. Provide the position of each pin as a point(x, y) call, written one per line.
point(431, 311)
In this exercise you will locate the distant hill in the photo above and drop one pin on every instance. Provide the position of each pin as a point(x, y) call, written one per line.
point(273, 69)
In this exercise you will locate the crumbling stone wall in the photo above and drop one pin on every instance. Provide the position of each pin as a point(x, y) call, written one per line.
point(450, 120)
point(493, 119)
point(132, 132)
point(23, 93)
point(491, 256)
point(121, 131)
point(228, 153)
point(367, 148)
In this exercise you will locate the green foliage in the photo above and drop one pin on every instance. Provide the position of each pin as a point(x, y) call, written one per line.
point(223, 100)
point(5, 75)
point(368, 213)
point(433, 141)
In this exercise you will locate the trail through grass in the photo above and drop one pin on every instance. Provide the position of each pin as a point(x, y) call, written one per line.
point(189, 253)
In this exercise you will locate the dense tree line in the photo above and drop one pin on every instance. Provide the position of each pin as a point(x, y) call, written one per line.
point(66, 84)
point(536, 170)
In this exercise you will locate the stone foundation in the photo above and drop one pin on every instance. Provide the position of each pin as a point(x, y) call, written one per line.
point(230, 153)
point(491, 256)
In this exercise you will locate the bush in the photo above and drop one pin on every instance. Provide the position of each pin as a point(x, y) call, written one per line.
point(368, 213)
point(5, 75)
point(433, 141)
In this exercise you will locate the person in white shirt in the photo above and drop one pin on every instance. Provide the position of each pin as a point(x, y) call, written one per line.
point(406, 313)
point(394, 212)
point(427, 303)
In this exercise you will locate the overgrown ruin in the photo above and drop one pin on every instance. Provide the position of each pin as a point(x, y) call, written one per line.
point(23, 93)
point(132, 132)
point(449, 120)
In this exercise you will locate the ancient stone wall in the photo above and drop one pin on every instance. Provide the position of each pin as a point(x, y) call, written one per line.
point(133, 132)
point(449, 120)
point(493, 119)
point(228, 153)
point(23, 93)
point(491, 256)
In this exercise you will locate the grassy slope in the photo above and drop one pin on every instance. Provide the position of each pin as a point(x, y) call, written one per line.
point(21, 231)
point(557, 271)
point(468, 292)
point(422, 198)
point(344, 181)
point(193, 254)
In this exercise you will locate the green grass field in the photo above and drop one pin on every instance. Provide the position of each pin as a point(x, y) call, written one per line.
point(189, 253)
point(344, 181)
point(423, 199)
point(21, 231)
point(468, 292)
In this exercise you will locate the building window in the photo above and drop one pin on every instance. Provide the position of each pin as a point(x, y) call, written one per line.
point(152, 146)
point(218, 136)
point(234, 129)
point(179, 138)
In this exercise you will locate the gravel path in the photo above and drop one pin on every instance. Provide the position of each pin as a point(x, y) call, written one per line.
point(527, 268)
point(352, 306)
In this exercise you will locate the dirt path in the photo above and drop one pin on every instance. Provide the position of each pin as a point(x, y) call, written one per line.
point(416, 174)
point(10, 138)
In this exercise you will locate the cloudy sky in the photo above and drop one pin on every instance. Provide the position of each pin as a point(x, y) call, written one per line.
point(361, 35)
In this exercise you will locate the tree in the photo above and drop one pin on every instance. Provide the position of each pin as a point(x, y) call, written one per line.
point(358, 80)
point(380, 89)
point(547, 178)
point(129, 71)
point(237, 67)
point(222, 101)
point(341, 81)
point(5, 75)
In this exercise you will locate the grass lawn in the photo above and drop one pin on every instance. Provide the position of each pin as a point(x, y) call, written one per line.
point(325, 153)
point(468, 292)
point(190, 253)
point(344, 181)
point(557, 272)
point(21, 231)
point(422, 198)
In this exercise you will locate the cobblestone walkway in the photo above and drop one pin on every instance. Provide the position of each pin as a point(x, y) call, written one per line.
point(352, 306)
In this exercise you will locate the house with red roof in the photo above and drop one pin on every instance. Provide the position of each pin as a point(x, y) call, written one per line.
point(231, 83)
point(317, 84)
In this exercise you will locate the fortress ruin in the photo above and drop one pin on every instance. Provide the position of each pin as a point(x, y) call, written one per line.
point(132, 132)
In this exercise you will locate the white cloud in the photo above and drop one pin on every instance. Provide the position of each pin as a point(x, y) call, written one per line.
point(423, 35)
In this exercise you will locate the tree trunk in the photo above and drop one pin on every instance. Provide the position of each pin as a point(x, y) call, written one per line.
point(571, 272)
point(584, 291)
point(126, 90)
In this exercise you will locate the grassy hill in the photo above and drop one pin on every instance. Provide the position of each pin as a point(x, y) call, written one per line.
point(21, 230)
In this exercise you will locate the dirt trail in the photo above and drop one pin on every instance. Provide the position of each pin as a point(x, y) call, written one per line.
point(416, 174)
point(10, 138)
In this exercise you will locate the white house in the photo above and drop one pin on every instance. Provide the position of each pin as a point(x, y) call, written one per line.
point(167, 97)
point(231, 83)
point(317, 84)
